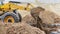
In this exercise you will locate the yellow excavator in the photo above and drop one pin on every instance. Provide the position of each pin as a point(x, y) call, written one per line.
point(8, 11)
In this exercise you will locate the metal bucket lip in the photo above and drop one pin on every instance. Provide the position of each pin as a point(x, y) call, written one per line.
point(55, 32)
point(57, 24)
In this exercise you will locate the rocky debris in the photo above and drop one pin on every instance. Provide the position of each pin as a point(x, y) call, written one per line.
point(19, 28)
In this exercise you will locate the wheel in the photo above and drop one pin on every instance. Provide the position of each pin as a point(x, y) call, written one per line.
point(9, 19)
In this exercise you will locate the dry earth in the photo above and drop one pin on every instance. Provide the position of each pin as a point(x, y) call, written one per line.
point(48, 18)
point(19, 28)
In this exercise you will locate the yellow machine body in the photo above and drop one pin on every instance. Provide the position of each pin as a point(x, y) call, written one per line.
point(12, 6)
point(7, 8)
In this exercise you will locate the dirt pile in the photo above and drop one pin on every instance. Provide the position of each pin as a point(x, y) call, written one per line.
point(45, 19)
point(49, 17)
point(30, 20)
point(19, 28)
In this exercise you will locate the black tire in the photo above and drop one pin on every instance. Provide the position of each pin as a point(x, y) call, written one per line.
point(13, 15)
point(20, 18)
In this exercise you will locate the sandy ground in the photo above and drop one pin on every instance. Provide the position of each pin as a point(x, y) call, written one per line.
point(19, 28)
point(23, 13)
point(52, 7)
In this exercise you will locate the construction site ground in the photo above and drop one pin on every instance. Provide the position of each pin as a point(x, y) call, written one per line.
point(28, 24)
